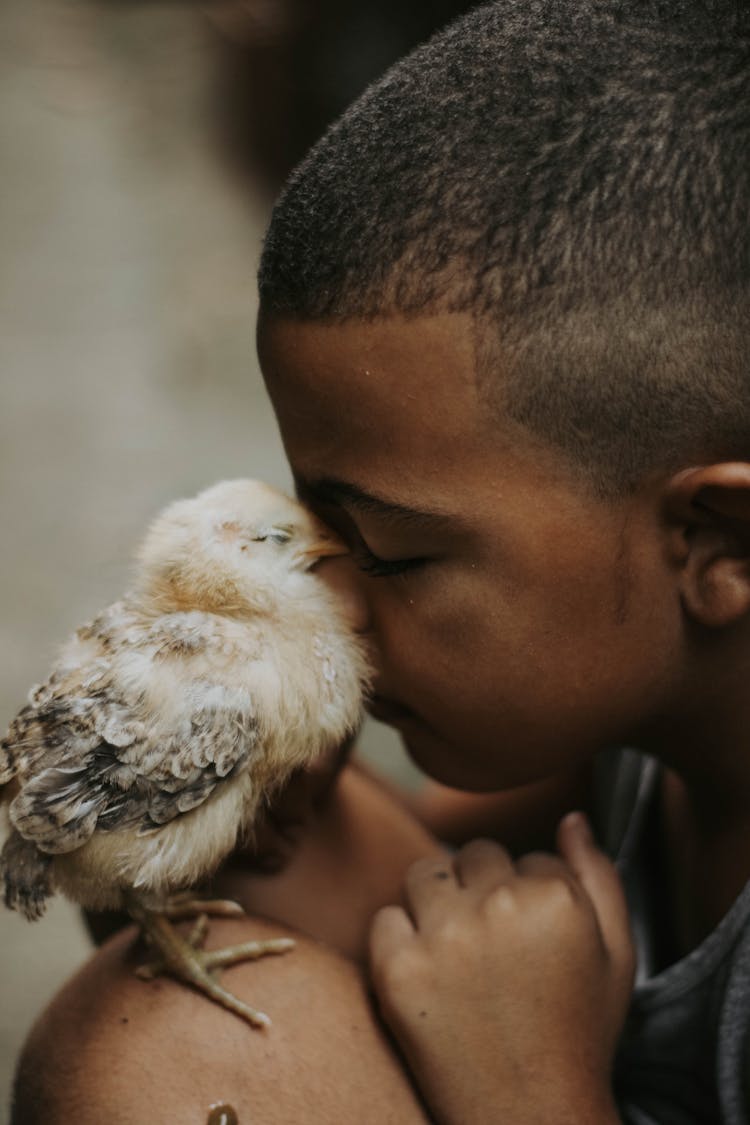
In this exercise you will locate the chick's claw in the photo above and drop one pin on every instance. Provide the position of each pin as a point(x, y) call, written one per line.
point(186, 960)
point(186, 906)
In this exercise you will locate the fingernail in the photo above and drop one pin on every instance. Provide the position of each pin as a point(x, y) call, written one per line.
point(578, 822)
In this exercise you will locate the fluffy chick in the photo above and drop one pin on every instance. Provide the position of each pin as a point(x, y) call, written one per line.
point(173, 717)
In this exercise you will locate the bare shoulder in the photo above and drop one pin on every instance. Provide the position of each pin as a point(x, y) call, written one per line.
point(114, 1048)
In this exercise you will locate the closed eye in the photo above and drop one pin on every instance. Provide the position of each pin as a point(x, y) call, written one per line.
point(366, 560)
point(276, 534)
point(376, 567)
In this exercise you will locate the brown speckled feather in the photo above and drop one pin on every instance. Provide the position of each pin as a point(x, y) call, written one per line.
point(169, 719)
point(92, 752)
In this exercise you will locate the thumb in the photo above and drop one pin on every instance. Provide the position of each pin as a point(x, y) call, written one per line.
point(599, 878)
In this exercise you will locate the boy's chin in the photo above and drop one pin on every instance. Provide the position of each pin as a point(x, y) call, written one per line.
point(482, 772)
point(446, 763)
point(463, 765)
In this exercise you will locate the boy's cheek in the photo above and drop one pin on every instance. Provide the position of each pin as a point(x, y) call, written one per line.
point(440, 640)
point(491, 708)
point(420, 647)
point(442, 666)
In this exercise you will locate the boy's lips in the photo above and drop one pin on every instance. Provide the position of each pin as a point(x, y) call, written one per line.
point(388, 710)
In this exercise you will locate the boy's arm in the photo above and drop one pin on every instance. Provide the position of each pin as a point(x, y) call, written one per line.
point(507, 984)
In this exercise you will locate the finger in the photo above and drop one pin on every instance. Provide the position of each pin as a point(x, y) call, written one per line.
point(598, 877)
point(482, 865)
point(542, 865)
point(391, 929)
point(429, 884)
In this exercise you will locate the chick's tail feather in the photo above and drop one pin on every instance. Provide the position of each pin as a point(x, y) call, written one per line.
point(25, 876)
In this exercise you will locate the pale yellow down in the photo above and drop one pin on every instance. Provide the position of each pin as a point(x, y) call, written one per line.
point(228, 665)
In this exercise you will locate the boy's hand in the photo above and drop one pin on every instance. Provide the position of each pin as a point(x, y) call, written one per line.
point(507, 984)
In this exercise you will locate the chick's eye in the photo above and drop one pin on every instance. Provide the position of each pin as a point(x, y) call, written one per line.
point(278, 535)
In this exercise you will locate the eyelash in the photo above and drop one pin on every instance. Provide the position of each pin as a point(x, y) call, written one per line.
point(376, 567)
point(369, 563)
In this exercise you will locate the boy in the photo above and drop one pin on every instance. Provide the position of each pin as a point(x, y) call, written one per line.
point(504, 326)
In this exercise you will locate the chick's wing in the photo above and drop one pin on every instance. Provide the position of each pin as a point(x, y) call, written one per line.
point(140, 722)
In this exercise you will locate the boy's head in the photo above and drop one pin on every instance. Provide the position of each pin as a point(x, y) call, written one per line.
point(577, 180)
point(513, 279)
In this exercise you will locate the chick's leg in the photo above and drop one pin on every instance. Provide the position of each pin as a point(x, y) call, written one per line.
point(185, 959)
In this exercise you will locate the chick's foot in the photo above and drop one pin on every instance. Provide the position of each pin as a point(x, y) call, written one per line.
point(186, 905)
point(187, 961)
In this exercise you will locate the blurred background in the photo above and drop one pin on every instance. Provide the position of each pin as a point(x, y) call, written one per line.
point(141, 145)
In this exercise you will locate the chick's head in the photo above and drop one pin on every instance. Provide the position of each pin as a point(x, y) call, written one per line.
point(240, 546)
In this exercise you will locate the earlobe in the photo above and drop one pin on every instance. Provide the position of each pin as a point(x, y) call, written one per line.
point(718, 594)
point(708, 510)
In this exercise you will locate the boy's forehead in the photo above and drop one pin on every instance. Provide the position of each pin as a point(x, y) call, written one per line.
point(391, 409)
point(388, 406)
point(384, 352)
point(374, 377)
point(372, 400)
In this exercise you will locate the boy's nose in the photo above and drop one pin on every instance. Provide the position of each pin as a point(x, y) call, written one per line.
point(341, 575)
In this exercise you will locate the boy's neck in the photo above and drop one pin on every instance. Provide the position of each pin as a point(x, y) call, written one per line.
point(705, 797)
point(707, 849)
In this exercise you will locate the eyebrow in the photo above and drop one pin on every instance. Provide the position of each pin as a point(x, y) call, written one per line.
point(328, 490)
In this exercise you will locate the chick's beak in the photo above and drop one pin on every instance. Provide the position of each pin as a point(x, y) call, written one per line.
point(328, 546)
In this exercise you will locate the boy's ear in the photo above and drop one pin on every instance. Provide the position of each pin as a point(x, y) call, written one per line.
point(708, 512)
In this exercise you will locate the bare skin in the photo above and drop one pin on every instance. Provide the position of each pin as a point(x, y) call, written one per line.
point(115, 1048)
point(434, 967)
point(111, 1047)
point(507, 600)
point(154, 1052)
point(521, 625)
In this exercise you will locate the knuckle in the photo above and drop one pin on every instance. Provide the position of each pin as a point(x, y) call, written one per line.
point(499, 904)
point(562, 890)
point(565, 909)
point(404, 967)
point(452, 937)
point(383, 921)
point(482, 848)
point(537, 863)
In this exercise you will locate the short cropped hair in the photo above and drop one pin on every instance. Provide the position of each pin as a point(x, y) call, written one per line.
point(575, 175)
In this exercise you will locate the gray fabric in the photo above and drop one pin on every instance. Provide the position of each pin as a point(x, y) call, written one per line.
point(684, 1056)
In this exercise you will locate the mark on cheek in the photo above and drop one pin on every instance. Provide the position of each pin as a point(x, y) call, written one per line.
point(623, 578)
